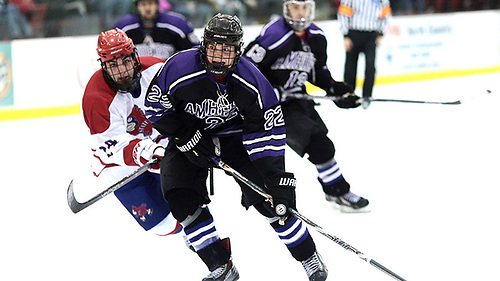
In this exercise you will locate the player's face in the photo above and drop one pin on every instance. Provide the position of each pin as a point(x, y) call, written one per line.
point(121, 69)
point(221, 55)
point(299, 10)
point(147, 9)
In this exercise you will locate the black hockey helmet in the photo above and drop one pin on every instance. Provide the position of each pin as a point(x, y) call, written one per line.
point(302, 23)
point(226, 30)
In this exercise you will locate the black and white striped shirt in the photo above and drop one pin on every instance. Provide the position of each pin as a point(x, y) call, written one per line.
point(363, 15)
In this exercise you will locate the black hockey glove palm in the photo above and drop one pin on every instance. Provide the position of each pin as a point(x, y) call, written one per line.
point(348, 100)
point(282, 189)
point(339, 89)
point(197, 148)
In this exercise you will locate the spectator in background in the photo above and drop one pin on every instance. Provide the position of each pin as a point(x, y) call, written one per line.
point(197, 12)
point(110, 11)
point(232, 7)
point(59, 10)
point(410, 7)
point(13, 23)
point(362, 23)
point(155, 33)
point(34, 13)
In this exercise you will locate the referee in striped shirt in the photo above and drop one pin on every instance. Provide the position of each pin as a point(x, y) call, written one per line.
point(362, 22)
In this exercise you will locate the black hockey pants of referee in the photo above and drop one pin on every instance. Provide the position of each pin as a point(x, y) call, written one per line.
point(363, 42)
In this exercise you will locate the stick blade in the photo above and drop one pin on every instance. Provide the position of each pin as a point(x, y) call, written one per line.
point(74, 205)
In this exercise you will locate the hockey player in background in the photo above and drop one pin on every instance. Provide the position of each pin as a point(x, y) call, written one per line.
point(122, 138)
point(291, 51)
point(155, 33)
point(212, 101)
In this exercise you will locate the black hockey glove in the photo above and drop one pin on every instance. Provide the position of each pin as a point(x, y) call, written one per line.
point(282, 189)
point(339, 89)
point(348, 100)
point(197, 148)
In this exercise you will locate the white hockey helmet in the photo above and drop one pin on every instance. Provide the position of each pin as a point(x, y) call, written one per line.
point(299, 23)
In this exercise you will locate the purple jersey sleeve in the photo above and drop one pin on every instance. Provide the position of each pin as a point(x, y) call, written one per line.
point(267, 139)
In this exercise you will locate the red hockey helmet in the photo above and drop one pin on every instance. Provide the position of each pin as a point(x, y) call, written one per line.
point(114, 44)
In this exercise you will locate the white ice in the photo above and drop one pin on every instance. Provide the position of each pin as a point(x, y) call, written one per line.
point(429, 171)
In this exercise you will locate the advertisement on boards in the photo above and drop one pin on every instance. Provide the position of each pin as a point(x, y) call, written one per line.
point(6, 92)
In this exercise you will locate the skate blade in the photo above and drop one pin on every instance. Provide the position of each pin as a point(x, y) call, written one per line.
point(349, 210)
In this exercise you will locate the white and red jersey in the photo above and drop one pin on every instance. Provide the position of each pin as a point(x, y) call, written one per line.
point(116, 120)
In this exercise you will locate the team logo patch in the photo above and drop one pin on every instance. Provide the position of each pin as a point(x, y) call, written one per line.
point(137, 123)
point(141, 211)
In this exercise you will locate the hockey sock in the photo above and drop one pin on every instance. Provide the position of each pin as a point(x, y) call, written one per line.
point(296, 237)
point(200, 229)
point(202, 236)
point(331, 178)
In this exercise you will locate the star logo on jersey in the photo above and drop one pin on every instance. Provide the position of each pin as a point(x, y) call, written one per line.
point(137, 123)
point(141, 211)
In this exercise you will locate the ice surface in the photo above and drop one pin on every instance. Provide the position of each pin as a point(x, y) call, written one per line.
point(429, 171)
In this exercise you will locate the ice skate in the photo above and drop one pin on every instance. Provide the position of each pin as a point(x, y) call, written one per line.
point(350, 203)
point(315, 268)
point(365, 103)
point(226, 272)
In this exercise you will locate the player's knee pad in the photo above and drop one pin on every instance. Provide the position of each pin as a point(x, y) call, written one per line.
point(183, 202)
point(320, 148)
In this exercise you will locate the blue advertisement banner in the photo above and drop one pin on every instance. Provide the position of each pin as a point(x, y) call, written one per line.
point(6, 92)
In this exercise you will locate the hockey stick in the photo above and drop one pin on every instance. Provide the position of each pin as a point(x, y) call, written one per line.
point(335, 98)
point(76, 206)
point(335, 239)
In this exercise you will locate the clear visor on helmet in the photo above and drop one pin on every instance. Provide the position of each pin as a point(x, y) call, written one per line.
point(299, 14)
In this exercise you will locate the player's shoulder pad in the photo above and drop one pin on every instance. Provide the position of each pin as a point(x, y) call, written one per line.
point(181, 64)
point(249, 71)
point(274, 34)
point(174, 22)
point(249, 76)
point(128, 22)
point(98, 86)
point(314, 30)
point(98, 92)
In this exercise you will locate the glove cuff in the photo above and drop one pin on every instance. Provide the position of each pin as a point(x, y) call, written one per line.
point(191, 143)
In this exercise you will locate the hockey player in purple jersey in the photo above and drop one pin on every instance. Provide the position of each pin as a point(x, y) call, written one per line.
point(155, 33)
point(212, 101)
point(291, 51)
point(122, 138)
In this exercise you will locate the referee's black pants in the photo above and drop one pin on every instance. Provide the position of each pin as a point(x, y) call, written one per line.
point(363, 42)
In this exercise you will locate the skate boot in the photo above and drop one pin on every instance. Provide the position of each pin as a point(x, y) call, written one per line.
point(315, 268)
point(225, 272)
point(365, 103)
point(350, 203)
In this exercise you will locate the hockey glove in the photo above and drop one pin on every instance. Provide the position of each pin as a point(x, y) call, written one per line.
point(282, 189)
point(145, 150)
point(348, 100)
point(197, 148)
point(339, 89)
